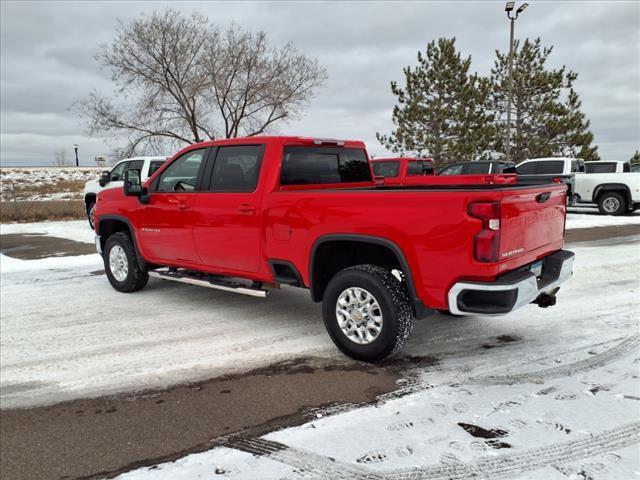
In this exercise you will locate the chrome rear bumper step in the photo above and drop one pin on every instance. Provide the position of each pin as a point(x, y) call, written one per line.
point(209, 281)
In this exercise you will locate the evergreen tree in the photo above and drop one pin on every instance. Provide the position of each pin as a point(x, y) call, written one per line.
point(546, 111)
point(635, 158)
point(442, 109)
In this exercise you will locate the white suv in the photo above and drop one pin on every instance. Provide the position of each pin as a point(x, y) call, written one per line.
point(115, 178)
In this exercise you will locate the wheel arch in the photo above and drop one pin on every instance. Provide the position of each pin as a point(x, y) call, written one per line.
point(110, 224)
point(89, 198)
point(334, 252)
point(599, 190)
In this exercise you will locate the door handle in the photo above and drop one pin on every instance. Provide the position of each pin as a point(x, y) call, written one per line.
point(246, 208)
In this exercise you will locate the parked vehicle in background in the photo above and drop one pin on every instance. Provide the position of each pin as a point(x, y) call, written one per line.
point(248, 214)
point(402, 170)
point(607, 166)
point(114, 179)
point(613, 193)
point(476, 168)
point(552, 169)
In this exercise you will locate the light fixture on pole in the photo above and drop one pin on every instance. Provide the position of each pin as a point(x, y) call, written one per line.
point(75, 147)
point(509, 8)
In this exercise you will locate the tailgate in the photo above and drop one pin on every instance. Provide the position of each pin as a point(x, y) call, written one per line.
point(531, 219)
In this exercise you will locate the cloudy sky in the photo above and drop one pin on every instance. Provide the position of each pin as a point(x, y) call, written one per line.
point(47, 62)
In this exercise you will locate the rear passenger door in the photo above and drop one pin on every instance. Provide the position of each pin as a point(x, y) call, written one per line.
point(226, 218)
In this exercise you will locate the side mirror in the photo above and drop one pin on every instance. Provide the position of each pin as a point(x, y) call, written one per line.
point(105, 177)
point(132, 183)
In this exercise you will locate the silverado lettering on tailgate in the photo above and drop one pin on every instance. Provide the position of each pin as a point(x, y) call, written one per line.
point(534, 217)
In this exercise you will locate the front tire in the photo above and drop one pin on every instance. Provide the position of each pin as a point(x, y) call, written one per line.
point(612, 203)
point(367, 312)
point(121, 264)
point(91, 214)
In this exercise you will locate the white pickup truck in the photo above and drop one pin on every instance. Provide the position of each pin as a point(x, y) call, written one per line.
point(614, 193)
point(114, 178)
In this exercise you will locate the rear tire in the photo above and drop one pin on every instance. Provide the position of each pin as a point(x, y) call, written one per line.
point(121, 264)
point(384, 327)
point(612, 203)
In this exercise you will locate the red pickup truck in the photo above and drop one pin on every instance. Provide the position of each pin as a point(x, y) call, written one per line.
point(249, 214)
point(403, 170)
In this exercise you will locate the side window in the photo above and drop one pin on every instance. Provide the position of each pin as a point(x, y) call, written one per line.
point(386, 169)
point(475, 168)
point(575, 166)
point(419, 167)
point(551, 167)
point(182, 174)
point(312, 165)
point(135, 165)
point(117, 174)
point(154, 165)
point(236, 168)
point(452, 170)
point(529, 168)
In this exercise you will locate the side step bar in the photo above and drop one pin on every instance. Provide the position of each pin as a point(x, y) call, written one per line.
point(210, 281)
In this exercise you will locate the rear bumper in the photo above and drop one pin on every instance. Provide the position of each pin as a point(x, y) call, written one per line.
point(512, 290)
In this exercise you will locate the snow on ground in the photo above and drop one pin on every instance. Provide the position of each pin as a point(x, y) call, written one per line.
point(587, 217)
point(558, 399)
point(557, 388)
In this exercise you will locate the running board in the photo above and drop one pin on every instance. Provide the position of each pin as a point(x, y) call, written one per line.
point(204, 280)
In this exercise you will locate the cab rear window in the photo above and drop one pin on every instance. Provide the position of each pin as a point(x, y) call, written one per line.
point(419, 167)
point(318, 165)
point(386, 169)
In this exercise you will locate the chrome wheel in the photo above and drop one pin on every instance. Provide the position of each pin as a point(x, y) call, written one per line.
point(118, 263)
point(611, 205)
point(359, 315)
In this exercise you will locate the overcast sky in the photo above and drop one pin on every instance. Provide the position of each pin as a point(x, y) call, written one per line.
point(47, 61)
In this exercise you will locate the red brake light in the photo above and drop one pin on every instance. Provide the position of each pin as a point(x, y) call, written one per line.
point(487, 240)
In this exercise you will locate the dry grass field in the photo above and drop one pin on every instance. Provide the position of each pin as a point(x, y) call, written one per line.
point(38, 211)
point(33, 194)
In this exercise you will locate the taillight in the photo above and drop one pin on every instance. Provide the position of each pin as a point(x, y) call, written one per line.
point(487, 240)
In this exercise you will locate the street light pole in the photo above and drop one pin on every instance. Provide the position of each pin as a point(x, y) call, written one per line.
point(75, 147)
point(509, 8)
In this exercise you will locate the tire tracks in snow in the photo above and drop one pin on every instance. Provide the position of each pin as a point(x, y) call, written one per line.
point(528, 460)
point(312, 465)
point(566, 370)
point(413, 384)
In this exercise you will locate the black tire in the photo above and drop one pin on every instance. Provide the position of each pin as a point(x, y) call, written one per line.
point(393, 299)
point(135, 278)
point(90, 214)
point(609, 199)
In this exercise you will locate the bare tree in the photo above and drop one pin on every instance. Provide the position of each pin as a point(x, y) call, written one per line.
point(60, 157)
point(182, 80)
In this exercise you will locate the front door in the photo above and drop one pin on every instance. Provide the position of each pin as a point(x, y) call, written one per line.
point(227, 217)
point(166, 235)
